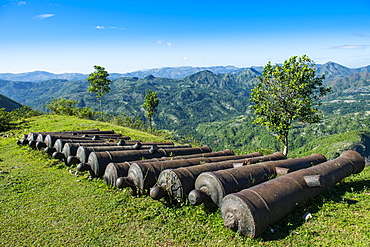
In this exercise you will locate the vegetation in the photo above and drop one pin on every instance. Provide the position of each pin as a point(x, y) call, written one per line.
point(9, 120)
point(99, 84)
point(67, 107)
point(286, 93)
point(8, 104)
point(45, 204)
point(5, 120)
point(150, 105)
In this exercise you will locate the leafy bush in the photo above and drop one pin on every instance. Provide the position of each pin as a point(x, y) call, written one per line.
point(62, 106)
point(86, 113)
point(5, 120)
point(24, 112)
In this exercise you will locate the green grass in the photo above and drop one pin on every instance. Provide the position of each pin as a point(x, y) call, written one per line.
point(330, 146)
point(43, 204)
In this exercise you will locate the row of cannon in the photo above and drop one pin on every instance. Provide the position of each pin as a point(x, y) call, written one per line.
point(253, 191)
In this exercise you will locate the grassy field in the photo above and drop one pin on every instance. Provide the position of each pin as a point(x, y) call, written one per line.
point(42, 203)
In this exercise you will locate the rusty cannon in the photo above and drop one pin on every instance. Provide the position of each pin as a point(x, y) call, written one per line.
point(253, 210)
point(59, 144)
point(98, 161)
point(156, 167)
point(211, 187)
point(175, 184)
point(70, 148)
point(114, 171)
point(33, 135)
point(49, 140)
point(83, 152)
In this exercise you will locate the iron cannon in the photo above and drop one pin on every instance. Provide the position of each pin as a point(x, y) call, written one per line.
point(251, 211)
point(211, 187)
point(176, 184)
point(114, 171)
point(98, 161)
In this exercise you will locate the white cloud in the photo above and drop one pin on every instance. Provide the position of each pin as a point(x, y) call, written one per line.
point(185, 59)
point(161, 41)
point(111, 27)
point(350, 47)
point(40, 17)
point(21, 3)
point(360, 34)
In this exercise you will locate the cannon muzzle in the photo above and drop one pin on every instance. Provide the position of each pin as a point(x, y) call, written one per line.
point(49, 150)
point(157, 192)
point(58, 155)
point(73, 160)
point(124, 182)
point(197, 197)
point(83, 167)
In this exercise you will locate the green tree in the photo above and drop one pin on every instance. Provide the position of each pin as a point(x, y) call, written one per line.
point(62, 106)
point(285, 93)
point(99, 84)
point(150, 105)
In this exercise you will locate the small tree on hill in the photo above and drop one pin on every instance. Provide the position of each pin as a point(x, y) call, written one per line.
point(286, 93)
point(99, 84)
point(150, 105)
point(62, 106)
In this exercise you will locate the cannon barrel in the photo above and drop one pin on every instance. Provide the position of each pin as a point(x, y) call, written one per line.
point(83, 152)
point(160, 165)
point(175, 184)
point(132, 142)
point(116, 170)
point(253, 210)
point(143, 176)
point(211, 187)
point(59, 144)
point(34, 135)
point(31, 138)
point(41, 135)
point(50, 140)
point(70, 149)
point(98, 161)
point(43, 141)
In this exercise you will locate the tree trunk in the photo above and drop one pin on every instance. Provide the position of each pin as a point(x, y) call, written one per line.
point(285, 152)
point(101, 110)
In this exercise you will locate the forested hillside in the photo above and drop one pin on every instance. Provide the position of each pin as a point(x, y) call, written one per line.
point(214, 108)
point(8, 104)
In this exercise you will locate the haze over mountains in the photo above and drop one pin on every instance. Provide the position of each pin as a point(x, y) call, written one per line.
point(330, 69)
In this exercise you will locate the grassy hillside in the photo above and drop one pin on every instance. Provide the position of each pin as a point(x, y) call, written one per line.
point(43, 204)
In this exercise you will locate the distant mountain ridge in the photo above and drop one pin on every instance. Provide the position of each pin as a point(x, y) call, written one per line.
point(331, 69)
point(198, 98)
point(166, 72)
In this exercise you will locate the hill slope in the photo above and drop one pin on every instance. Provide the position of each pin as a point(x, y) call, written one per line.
point(45, 204)
point(8, 104)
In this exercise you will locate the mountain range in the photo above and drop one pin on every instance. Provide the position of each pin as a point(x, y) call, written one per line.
point(200, 97)
point(331, 69)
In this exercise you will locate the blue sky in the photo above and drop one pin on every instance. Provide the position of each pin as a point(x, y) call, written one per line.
point(123, 36)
